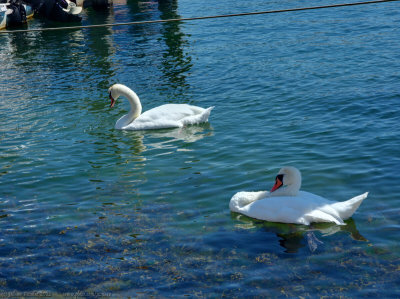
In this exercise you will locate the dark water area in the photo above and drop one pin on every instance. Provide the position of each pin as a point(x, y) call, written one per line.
point(88, 209)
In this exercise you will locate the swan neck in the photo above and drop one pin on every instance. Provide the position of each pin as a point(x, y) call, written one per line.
point(134, 101)
point(286, 191)
point(296, 185)
point(293, 190)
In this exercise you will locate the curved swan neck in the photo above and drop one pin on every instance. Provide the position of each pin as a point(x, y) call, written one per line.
point(134, 101)
point(286, 191)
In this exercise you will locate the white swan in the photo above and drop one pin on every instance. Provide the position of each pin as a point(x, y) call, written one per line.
point(285, 203)
point(164, 116)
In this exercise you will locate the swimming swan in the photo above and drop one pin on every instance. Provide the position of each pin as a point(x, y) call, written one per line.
point(164, 116)
point(285, 203)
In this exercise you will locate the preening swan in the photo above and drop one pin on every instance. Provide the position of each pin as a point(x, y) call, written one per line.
point(164, 116)
point(286, 203)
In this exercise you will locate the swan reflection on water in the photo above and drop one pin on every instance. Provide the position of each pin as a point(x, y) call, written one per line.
point(167, 138)
point(186, 134)
point(293, 237)
point(131, 146)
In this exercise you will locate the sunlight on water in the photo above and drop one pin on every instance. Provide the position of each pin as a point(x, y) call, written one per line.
point(87, 208)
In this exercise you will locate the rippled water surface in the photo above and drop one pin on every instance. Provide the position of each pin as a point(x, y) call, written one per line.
point(87, 208)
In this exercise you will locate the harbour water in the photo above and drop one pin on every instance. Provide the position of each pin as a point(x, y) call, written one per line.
point(87, 209)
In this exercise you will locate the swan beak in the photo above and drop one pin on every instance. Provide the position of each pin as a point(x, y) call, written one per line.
point(112, 100)
point(278, 183)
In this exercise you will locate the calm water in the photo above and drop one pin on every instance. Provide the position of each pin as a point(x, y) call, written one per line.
point(86, 208)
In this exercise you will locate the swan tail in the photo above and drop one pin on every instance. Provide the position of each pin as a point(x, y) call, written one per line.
point(197, 119)
point(347, 208)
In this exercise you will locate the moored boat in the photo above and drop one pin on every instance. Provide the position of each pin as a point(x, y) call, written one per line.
point(57, 10)
point(14, 13)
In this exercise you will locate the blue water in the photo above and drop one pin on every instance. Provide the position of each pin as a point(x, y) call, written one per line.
point(90, 209)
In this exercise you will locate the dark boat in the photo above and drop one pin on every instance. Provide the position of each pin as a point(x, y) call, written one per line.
point(57, 10)
point(14, 13)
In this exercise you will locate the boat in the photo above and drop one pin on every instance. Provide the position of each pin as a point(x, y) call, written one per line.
point(14, 13)
point(57, 10)
point(97, 4)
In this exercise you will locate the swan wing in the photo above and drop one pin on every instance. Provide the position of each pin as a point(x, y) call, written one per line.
point(321, 216)
point(258, 205)
point(270, 209)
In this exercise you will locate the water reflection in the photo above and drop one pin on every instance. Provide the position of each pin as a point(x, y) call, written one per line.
point(130, 146)
point(176, 63)
point(93, 56)
point(19, 43)
point(293, 237)
point(101, 47)
point(186, 134)
point(166, 138)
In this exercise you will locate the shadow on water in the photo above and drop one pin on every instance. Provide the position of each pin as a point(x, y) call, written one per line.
point(293, 237)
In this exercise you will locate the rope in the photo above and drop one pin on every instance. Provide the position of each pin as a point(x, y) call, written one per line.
point(197, 18)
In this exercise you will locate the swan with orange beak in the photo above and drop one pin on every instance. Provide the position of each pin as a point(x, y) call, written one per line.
point(287, 204)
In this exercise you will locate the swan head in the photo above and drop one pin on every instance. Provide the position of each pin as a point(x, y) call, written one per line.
point(287, 182)
point(114, 92)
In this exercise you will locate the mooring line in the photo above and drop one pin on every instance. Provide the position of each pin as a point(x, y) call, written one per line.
point(198, 18)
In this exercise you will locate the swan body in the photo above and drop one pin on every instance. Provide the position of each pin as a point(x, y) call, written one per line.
point(286, 203)
point(161, 117)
